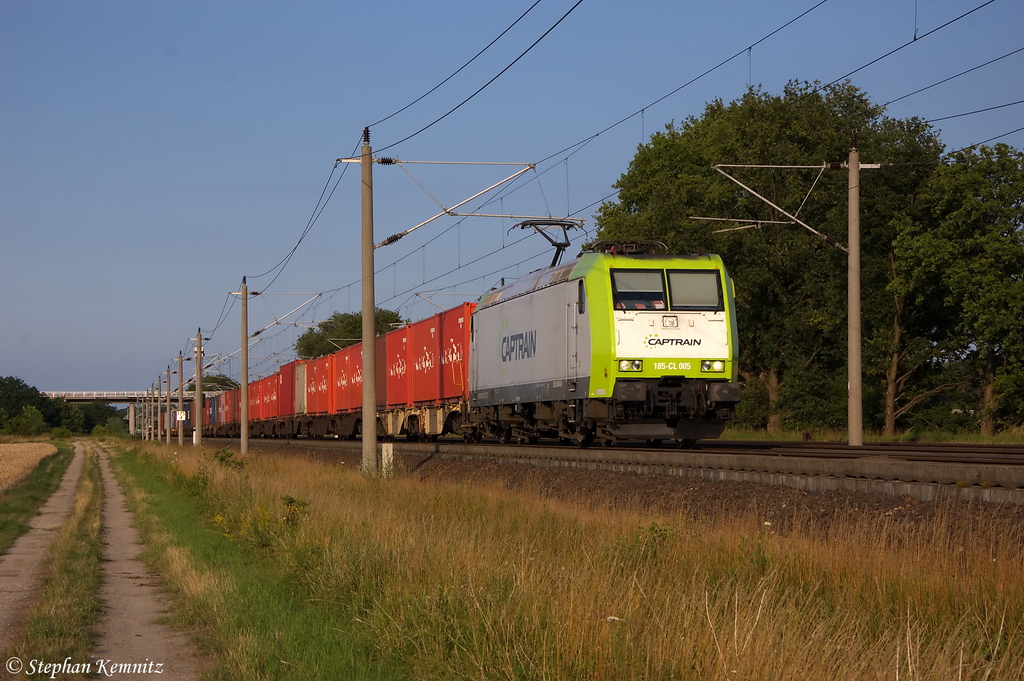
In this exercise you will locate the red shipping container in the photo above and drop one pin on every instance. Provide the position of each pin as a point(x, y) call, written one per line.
point(381, 387)
point(319, 395)
point(425, 360)
point(354, 386)
point(232, 407)
point(344, 375)
point(286, 390)
point(255, 401)
point(396, 358)
point(269, 394)
point(455, 325)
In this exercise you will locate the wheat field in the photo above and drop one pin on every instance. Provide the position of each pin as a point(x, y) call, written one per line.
point(17, 460)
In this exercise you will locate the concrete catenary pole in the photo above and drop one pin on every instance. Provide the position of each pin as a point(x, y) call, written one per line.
point(158, 407)
point(152, 412)
point(855, 423)
point(170, 421)
point(243, 401)
point(369, 418)
point(181, 398)
point(197, 400)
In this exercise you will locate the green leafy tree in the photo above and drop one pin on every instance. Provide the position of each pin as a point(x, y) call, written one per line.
point(30, 422)
point(341, 330)
point(97, 412)
point(790, 284)
point(968, 240)
point(15, 395)
point(214, 382)
point(71, 416)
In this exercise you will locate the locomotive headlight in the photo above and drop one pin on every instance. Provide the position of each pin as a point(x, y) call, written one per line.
point(631, 365)
point(712, 366)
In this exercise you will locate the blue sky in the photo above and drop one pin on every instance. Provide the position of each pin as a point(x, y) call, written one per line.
point(152, 154)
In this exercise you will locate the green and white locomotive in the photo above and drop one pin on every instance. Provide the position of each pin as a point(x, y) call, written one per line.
point(622, 343)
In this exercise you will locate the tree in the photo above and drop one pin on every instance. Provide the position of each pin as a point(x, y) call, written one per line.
point(29, 422)
point(97, 413)
point(341, 330)
point(71, 415)
point(968, 239)
point(15, 395)
point(790, 285)
point(213, 382)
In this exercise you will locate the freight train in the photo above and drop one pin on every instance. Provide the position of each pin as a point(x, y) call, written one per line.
point(622, 343)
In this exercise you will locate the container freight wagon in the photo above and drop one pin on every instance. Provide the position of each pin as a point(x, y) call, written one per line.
point(422, 386)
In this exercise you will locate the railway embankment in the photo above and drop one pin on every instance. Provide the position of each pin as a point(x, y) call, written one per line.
point(477, 568)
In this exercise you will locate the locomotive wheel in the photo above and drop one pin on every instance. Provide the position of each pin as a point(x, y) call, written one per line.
point(506, 436)
point(685, 444)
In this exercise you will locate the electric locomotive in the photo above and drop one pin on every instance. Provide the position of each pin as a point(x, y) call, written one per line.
point(623, 343)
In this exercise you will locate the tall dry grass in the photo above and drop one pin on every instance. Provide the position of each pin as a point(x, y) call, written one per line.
point(480, 582)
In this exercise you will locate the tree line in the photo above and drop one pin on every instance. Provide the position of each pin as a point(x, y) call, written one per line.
point(942, 249)
point(26, 411)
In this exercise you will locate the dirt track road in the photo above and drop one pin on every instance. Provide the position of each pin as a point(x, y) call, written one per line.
point(21, 567)
point(129, 631)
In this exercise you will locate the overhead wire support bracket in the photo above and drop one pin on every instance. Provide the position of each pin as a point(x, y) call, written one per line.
point(824, 237)
point(445, 211)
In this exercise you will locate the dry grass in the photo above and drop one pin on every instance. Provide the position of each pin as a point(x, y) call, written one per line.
point(17, 461)
point(479, 582)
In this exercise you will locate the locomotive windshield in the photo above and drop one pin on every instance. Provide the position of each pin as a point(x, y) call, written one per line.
point(688, 290)
point(639, 289)
point(695, 290)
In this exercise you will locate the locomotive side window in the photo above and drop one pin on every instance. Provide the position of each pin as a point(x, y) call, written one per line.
point(695, 290)
point(638, 289)
point(581, 299)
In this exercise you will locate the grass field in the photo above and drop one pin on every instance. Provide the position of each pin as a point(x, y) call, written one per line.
point(293, 569)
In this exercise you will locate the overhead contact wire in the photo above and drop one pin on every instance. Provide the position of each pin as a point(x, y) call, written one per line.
point(482, 87)
point(487, 47)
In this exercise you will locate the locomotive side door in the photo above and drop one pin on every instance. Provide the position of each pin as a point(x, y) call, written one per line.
point(577, 331)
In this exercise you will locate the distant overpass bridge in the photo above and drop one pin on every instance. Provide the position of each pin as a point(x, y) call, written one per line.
point(120, 396)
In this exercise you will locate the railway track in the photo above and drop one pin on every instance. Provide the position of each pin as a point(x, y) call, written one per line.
point(991, 473)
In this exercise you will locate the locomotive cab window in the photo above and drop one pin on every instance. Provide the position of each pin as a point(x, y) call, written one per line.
point(695, 290)
point(638, 289)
